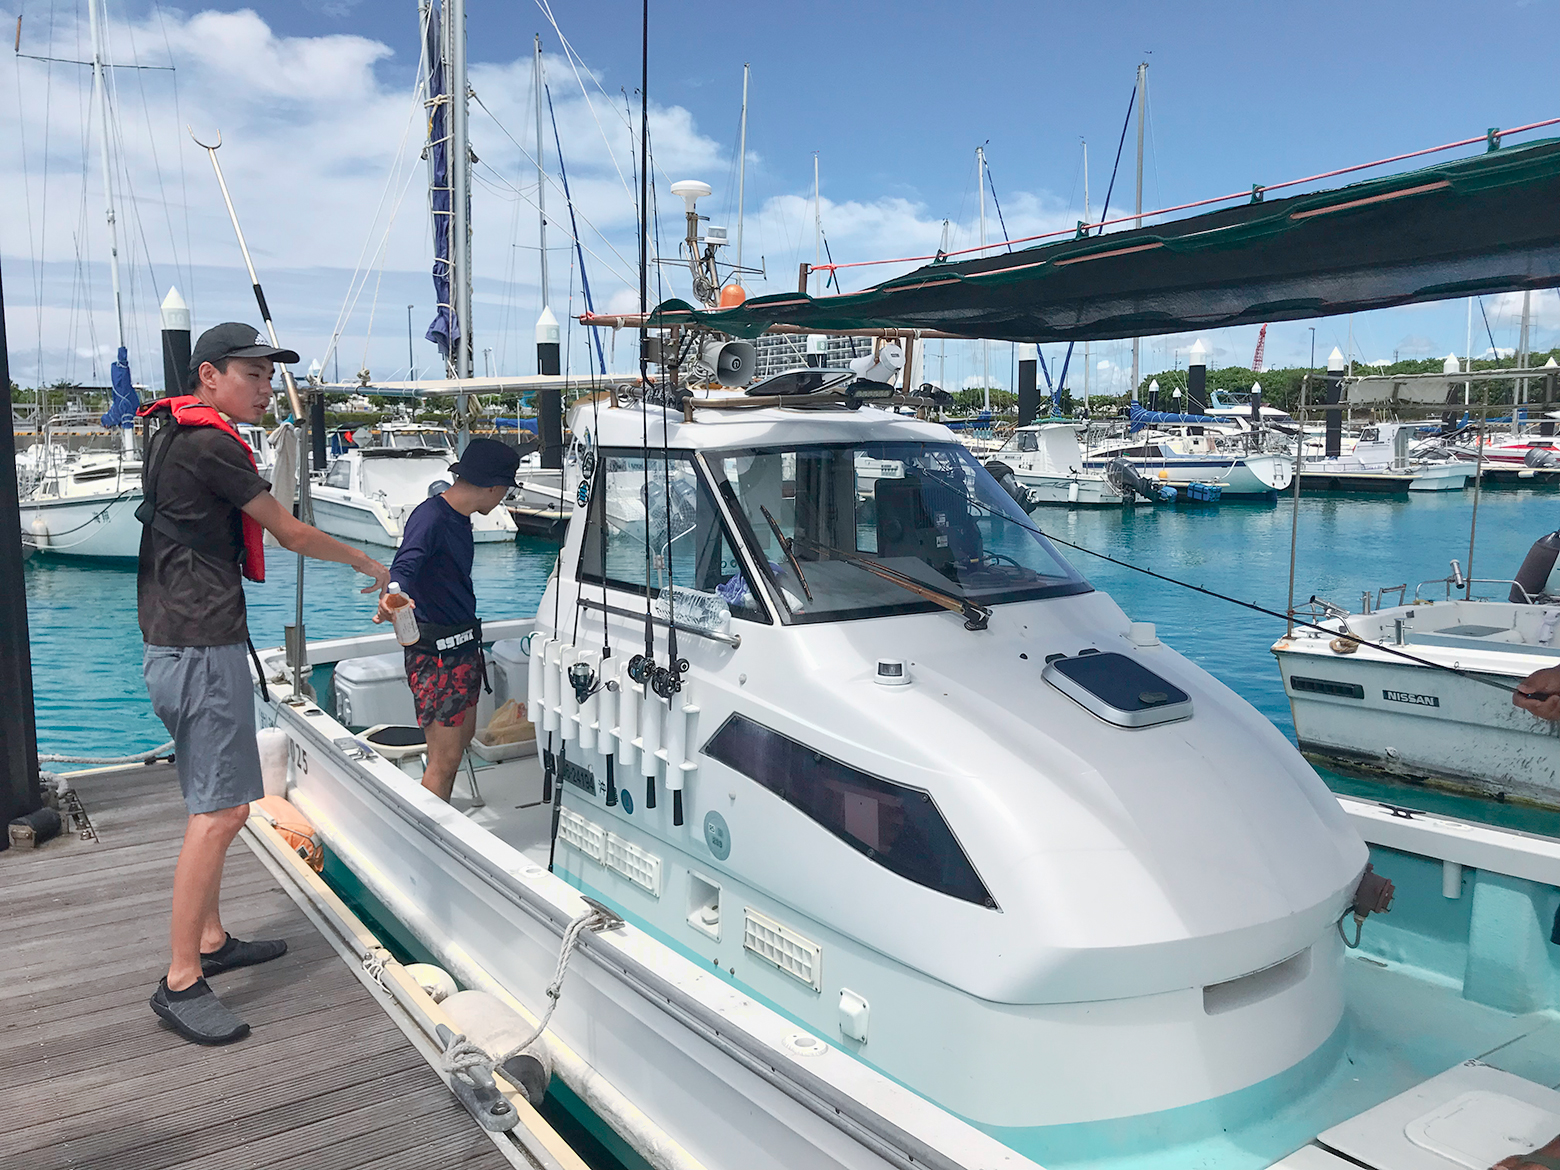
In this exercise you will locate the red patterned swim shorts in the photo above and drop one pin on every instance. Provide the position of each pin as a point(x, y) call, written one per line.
point(444, 687)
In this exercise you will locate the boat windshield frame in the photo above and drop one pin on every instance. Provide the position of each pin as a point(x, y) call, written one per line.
point(992, 516)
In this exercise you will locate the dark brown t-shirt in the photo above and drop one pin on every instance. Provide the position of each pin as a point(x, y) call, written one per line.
point(183, 597)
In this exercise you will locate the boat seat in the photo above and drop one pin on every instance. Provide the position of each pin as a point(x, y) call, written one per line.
point(397, 742)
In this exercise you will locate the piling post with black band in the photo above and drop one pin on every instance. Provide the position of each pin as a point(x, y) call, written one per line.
point(549, 401)
point(175, 343)
point(20, 792)
point(1334, 387)
point(1028, 385)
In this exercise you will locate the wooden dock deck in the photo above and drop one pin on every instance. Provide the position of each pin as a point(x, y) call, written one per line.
point(89, 1077)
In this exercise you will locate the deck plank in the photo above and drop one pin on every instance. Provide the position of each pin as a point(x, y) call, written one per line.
point(91, 1077)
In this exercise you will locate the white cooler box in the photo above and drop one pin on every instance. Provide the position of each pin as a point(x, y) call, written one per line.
point(373, 690)
point(511, 670)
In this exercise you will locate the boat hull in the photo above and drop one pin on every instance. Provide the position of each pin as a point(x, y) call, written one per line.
point(648, 1027)
point(97, 527)
point(1076, 492)
point(359, 521)
point(1419, 723)
point(1262, 476)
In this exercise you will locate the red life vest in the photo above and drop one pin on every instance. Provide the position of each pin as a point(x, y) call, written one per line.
point(189, 411)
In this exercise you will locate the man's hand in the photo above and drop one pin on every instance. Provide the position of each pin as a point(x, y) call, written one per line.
point(1540, 693)
point(384, 613)
point(369, 567)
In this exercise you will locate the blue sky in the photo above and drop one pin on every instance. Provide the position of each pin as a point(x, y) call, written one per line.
point(313, 97)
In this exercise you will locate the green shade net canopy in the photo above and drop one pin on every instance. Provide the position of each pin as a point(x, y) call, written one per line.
point(1477, 225)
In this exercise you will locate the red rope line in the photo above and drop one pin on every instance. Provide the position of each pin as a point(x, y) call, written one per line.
point(1499, 134)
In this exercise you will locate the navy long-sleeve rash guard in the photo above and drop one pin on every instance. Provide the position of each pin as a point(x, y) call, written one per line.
point(433, 564)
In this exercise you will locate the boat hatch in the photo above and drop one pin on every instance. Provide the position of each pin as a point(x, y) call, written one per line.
point(1470, 1117)
point(1118, 689)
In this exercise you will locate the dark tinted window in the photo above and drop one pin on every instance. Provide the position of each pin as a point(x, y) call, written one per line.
point(897, 827)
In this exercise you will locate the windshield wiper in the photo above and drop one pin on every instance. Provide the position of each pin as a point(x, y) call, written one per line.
point(785, 547)
point(975, 616)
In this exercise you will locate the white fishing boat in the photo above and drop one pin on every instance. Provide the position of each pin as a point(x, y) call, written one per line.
point(368, 492)
point(1047, 459)
point(1358, 703)
point(1380, 460)
point(1180, 460)
point(949, 863)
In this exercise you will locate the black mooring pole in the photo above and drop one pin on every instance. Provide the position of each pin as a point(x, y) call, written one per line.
point(19, 790)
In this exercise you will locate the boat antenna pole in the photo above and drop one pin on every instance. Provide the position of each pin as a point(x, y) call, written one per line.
point(742, 163)
point(296, 651)
point(541, 176)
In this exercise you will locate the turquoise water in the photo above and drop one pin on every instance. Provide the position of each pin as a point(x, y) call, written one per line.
point(86, 646)
point(87, 649)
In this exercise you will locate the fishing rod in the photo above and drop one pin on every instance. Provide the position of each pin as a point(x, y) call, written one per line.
point(305, 510)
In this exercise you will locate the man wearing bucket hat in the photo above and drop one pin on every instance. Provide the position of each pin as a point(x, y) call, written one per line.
point(204, 508)
point(445, 668)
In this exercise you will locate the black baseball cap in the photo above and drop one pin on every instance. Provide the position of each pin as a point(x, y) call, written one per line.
point(235, 339)
point(488, 463)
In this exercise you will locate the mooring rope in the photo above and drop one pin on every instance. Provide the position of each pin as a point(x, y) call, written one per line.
point(465, 1058)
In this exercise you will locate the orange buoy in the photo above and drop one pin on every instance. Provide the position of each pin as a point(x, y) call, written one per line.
point(732, 295)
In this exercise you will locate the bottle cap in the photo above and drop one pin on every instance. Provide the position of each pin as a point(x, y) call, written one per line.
point(393, 588)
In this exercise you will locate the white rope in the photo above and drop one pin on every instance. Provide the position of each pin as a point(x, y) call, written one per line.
point(464, 1058)
point(139, 758)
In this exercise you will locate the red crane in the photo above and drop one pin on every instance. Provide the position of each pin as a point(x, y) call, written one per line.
point(1256, 358)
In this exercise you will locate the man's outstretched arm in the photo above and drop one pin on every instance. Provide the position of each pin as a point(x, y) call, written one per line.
point(296, 536)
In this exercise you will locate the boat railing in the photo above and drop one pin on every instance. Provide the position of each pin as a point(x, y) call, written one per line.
point(1461, 582)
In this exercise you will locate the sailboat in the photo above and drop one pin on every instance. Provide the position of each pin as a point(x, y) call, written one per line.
point(84, 505)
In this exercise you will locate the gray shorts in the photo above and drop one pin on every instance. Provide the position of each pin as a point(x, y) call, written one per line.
point(204, 696)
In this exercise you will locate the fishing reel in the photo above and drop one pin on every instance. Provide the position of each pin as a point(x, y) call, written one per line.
point(666, 681)
point(640, 667)
point(583, 680)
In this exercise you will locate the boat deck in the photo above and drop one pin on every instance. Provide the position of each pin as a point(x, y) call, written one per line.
point(91, 1078)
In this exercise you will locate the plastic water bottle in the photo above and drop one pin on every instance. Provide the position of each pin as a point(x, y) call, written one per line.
point(406, 631)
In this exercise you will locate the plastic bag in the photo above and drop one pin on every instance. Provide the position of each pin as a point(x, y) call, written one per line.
point(509, 725)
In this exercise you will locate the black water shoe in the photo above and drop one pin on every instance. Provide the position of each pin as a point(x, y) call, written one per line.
point(197, 1014)
point(235, 952)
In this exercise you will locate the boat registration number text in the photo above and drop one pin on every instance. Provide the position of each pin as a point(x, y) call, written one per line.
point(1416, 700)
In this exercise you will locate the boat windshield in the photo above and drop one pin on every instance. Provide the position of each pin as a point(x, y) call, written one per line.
point(822, 516)
point(407, 440)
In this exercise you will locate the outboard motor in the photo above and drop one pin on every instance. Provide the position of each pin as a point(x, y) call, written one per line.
point(1541, 457)
point(1003, 474)
point(1126, 479)
point(1537, 575)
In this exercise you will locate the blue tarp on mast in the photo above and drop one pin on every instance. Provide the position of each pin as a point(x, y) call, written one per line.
point(125, 401)
point(1141, 418)
point(445, 329)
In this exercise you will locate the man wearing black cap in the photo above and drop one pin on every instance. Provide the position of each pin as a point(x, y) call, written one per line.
point(204, 509)
point(433, 567)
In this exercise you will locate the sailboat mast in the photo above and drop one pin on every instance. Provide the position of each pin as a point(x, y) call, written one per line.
point(1142, 97)
point(1522, 354)
point(741, 168)
point(460, 194)
point(100, 86)
point(541, 176)
point(985, 346)
point(1088, 361)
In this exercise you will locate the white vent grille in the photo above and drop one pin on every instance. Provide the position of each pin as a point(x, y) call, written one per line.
point(639, 866)
point(589, 838)
point(798, 957)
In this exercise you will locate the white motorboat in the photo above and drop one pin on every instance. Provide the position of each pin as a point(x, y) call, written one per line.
point(1358, 704)
point(81, 501)
point(1380, 461)
point(368, 492)
point(1180, 460)
point(1047, 459)
point(1094, 840)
